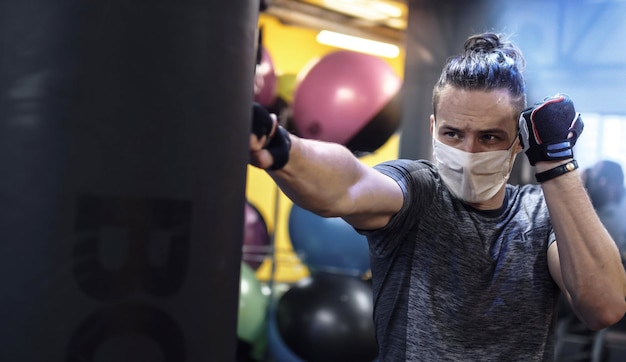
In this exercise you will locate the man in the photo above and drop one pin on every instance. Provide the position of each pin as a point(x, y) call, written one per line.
point(464, 265)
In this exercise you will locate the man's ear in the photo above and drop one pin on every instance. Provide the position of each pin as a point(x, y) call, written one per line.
point(432, 124)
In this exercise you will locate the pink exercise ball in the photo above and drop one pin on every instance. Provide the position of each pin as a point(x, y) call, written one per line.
point(265, 80)
point(349, 98)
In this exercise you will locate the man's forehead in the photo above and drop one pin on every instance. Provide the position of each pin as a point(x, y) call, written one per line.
point(471, 128)
point(475, 101)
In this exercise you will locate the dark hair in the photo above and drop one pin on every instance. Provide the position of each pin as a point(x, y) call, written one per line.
point(489, 62)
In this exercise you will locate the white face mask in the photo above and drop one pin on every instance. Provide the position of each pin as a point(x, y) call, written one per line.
point(473, 177)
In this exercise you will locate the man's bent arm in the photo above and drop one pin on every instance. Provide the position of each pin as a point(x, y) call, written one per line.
point(584, 261)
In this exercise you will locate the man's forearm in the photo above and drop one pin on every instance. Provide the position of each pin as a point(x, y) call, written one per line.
point(319, 176)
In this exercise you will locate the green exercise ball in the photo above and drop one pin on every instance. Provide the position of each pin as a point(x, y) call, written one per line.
point(252, 306)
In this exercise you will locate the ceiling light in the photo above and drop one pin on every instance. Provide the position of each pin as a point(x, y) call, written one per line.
point(357, 44)
point(386, 8)
point(372, 10)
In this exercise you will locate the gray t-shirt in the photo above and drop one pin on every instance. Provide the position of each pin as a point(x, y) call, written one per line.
point(452, 283)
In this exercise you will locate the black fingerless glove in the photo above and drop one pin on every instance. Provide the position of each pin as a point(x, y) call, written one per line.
point(544, 129)
point(279, 144)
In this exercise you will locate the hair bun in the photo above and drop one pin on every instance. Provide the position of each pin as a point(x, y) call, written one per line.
point(484, 43)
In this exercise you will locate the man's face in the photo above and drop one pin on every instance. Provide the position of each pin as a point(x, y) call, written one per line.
point(475, 121)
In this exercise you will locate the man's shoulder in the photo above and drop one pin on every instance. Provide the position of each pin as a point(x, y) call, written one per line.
point(528, 196)
point(405, 165)
point(526, 190)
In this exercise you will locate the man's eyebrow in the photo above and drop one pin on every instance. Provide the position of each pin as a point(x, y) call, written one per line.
point(450, 128)
point(492, 131)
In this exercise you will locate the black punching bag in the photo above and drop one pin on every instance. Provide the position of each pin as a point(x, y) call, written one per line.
point(123, 148)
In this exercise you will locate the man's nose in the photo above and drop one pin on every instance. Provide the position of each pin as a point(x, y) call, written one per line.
point(470, 145)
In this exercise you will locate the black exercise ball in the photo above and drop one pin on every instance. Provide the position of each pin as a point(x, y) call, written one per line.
point(328, 317)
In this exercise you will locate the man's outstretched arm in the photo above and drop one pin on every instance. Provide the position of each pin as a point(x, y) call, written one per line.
point(325, 178)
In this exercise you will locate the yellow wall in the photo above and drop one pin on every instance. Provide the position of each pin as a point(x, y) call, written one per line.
point(291, 49)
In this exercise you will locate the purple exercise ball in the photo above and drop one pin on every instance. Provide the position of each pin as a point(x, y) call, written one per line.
point(256, 238)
